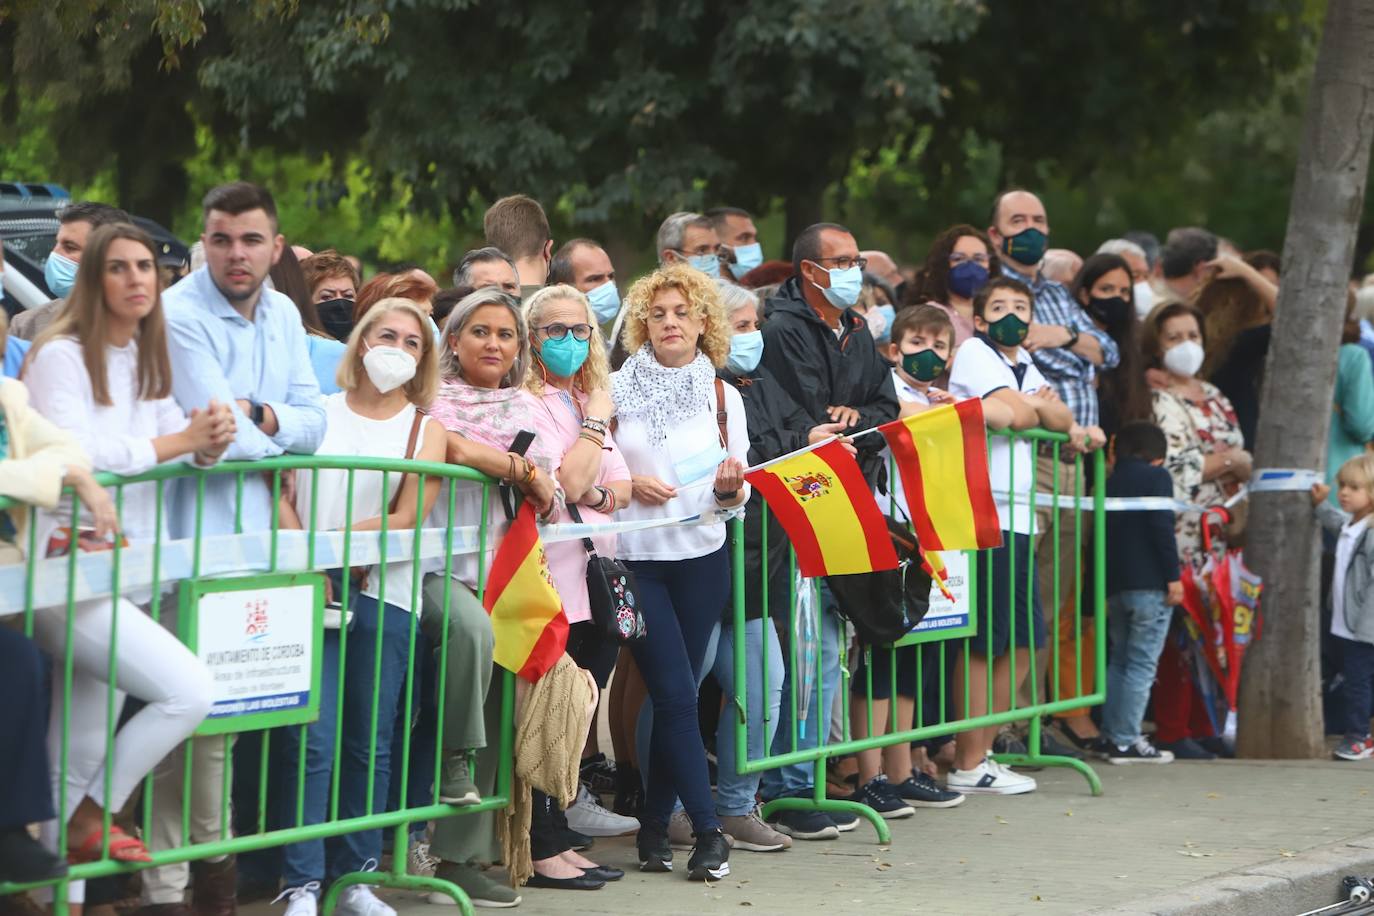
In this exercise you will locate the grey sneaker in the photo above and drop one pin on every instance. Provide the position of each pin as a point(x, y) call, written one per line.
point(481, 890)
point(680, 832)
point(751, 833)
point(457, 787)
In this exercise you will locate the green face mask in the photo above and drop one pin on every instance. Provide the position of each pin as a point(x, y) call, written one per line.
point(923, 365)
point(1009, 330)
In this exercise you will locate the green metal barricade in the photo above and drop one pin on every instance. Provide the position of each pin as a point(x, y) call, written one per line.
point(1074, 652)
point(273, 558)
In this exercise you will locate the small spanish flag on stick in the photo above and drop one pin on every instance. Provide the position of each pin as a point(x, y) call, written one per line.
point(942, 455)
point(527, 617)
point(826, 507)
point(934, 564)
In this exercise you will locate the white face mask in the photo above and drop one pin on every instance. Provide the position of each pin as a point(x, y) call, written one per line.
point(388, 367)
point(1185, 358)
point(1144, 298)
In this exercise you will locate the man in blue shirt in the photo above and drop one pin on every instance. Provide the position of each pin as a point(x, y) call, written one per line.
point(1068, 349)
point(235, 341)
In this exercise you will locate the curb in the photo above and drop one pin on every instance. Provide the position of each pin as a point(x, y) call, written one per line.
point(1279, 887)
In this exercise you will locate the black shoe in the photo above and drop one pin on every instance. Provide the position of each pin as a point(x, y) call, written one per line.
point(654, 852)
point(710, 856)
point(1053, 747)
point(920, 791)
point(1218, 746)
point(629, 792)
point(844, 821)
point(604, 873)
point(804, 825)
point(599, 774)
point(1008, 742)
point(1187, 749)
point(582, 882)
point(24, 859)
point(576, 841)
point(1138, 751)
point(879, 795)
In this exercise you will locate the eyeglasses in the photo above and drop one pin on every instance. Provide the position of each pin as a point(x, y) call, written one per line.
point(956, 259)
point(721, 251)
point(846, 262)
point(558, 330)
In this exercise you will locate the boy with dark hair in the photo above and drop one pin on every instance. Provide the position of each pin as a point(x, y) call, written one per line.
point(1143, 588)
point(995, 367)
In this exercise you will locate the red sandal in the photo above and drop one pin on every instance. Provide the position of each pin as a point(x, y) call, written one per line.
point(123, 848)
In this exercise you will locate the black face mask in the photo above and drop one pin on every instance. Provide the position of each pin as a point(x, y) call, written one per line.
point(1114, 312)
point(337, 317)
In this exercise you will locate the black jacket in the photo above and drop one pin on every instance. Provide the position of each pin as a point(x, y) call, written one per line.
point(1142, 554)
point(776, 426)
point(819, 370)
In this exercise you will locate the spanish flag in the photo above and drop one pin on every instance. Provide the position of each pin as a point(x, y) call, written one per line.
point(942, 455)
point(826, 507)
point(934, 564)
point(526, 613)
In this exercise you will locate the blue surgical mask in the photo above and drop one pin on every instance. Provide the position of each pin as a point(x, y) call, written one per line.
point(747, 257)
point(564, 357)
point(60, 275)
point(882, 327)
point(745, 352)
point(966, 278)
point(708, 264)
point(845, 286)
point(438, 335)
point(605, 300)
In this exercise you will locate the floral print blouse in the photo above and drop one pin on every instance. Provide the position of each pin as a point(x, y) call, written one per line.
point(1194, 430)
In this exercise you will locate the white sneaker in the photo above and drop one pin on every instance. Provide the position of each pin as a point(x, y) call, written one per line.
point(301, 901)
point(989, 778)
point(587, 817)
point(359, 900)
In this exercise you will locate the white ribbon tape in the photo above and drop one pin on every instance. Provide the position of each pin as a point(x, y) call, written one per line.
point(1272, 480)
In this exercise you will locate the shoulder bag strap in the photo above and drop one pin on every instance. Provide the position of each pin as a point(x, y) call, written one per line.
point(410, 454)
point(577, 517)
point(722, 416)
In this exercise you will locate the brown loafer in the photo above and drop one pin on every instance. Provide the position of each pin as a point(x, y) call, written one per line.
point(214, 888)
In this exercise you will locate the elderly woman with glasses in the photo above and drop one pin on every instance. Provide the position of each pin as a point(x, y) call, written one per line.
point(685, 440)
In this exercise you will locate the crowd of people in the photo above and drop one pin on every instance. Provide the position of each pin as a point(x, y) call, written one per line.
point(651, 406)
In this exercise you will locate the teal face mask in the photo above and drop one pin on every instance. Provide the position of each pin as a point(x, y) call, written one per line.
point(59, 273)
point(564, 357)
point(605, 300)
point(747, 257)
point(923, 365)
point(708, 264)
point(1009, 330)
point(1026, 247)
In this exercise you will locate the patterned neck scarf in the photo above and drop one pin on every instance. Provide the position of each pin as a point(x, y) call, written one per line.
point(491, 416)
point(645, 389)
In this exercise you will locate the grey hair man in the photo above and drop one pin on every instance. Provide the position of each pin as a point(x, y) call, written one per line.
point(1185, 259)
point(691, 239)
point(488, 266)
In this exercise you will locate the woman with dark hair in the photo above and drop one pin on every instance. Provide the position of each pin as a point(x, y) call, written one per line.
point(959, 262)
point(1104, 288)
point(289, 277)
point(1237, 319)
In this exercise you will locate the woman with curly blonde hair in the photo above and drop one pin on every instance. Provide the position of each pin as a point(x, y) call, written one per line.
point(683, 435)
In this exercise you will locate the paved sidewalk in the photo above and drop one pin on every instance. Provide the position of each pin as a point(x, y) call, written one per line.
point(1056, 851)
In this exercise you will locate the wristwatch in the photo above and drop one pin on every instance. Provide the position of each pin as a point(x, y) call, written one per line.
point(1073, 338)
point(256, 413)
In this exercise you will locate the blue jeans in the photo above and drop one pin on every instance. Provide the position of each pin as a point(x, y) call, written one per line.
point(1137, 623)
point(734, 791)
point(304, 861)
point(644, 723)
point(797, 778)
point(1357, 670)
point(682, 602)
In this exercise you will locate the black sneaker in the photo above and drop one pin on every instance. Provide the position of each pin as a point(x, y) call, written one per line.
point(1008, 742)
point(920, 791)
point(844, 821)
point(804, 825)
point(629, 792)
point(24, 859)
point(710, 857)
point(1138, 751)
point(599, 775)
point(879, 795)
point(654, 852)
point(1187, 749)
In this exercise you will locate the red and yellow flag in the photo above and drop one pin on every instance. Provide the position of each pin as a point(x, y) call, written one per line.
point(526, 613)
point(827, 509)
point(934, 564)
point(942, 455)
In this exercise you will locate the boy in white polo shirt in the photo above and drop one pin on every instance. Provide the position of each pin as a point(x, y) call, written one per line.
point(995, 367)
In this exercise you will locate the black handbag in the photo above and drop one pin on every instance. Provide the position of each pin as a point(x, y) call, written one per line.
point(611, 592)
point(885, 605)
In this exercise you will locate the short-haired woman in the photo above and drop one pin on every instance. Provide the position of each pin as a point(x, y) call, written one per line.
point(685, 439)
point(387, 374)
point(101, 370)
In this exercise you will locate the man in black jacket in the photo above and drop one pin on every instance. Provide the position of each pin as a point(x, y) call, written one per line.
point(821, 354)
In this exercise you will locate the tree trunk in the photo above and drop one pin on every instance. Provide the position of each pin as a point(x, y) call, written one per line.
point(1280, 705)
point(802, 209)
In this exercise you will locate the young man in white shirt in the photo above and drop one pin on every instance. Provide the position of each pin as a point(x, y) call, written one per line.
point(995, 367)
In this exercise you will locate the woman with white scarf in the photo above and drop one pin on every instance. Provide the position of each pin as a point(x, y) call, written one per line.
point(684, 439)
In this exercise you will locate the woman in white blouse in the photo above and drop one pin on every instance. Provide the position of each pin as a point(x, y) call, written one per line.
point(101, 371)
point(683, 435)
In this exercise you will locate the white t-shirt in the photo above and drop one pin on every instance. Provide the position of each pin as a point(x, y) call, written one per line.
point(896, 496)
point(980, 369)
point(348, 434)
point(1345, 550)
point(645, 458)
